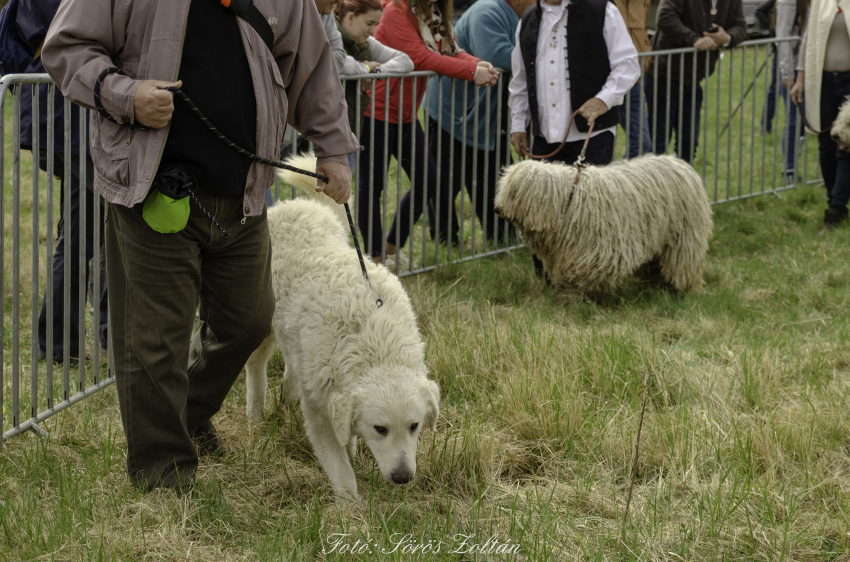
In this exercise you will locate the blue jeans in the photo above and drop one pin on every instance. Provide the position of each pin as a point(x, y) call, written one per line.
point(769, 108)
point(834, 162)
point(637, 128)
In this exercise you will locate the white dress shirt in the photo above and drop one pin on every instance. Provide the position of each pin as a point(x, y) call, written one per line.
point(553, 78)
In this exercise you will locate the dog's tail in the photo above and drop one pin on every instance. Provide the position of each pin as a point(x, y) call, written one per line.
point(307, 161)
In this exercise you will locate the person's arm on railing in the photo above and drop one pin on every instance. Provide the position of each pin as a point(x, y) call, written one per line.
point(402, 32)
point(392, 60)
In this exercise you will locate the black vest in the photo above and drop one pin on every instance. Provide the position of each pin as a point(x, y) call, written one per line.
point(586, 57)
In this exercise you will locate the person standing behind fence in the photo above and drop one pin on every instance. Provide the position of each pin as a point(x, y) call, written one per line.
point(678, 24)
point(790, 21)
point(170, 382)
point(570, 54)
point(356, 22)
point(486, 30)
point(33, 19)
point(824, 74)
point(424, 32)
point(635, 13)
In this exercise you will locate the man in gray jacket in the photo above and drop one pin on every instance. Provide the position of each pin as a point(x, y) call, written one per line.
point(170, 382)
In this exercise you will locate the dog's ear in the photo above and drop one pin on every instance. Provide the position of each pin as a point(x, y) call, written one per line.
point(431, 392)
point(341, 411)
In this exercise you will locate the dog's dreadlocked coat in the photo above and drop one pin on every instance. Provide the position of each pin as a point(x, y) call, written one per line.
point(592, 232)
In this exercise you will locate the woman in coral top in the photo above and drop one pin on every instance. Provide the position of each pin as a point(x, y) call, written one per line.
point(422, 30)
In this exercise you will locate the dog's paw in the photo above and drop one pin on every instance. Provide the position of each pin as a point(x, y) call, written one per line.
point(343, 496)
point(256, 415)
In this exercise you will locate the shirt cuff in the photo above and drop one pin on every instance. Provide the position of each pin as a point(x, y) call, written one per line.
point(519, 125)
point(608, 98)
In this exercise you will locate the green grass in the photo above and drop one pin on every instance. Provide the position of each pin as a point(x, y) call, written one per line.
point(745, 453)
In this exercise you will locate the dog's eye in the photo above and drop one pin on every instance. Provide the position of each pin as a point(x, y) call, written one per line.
point(381, 430)
point(413, 427)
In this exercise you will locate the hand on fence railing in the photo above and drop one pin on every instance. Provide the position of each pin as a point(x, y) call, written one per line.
point(719, 36)
point(486, 75)
point(705, 44)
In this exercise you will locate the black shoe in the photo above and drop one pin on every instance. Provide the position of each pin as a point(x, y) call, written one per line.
point(58, 359)
point(206, 439)
point(832, 217)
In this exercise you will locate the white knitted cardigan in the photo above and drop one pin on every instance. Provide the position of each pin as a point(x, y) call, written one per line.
point(821, 16)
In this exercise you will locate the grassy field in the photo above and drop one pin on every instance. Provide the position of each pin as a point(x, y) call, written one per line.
point(745, 449)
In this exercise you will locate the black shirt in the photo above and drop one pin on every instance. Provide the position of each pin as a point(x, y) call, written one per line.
point(216, 77)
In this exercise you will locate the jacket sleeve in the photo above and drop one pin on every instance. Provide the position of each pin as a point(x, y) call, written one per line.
point(34, 17)
point(391, 60)
point(737, 28)
point(80, 44)
point(335, 39)
point(492, 37)
point(406, 38)
point(317, 106)
point(668, 21)
point(786, 13)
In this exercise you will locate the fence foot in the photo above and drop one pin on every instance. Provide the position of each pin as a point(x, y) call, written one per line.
point(776, 194)
point(38, 430)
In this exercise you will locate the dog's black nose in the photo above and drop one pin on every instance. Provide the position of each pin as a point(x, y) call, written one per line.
point(498, 211)
point(402, 477)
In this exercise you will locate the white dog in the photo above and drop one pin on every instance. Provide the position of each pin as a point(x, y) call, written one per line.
point(358, 368)
point(841, 127)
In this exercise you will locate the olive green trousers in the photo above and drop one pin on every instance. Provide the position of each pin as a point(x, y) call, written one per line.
point(167, 377)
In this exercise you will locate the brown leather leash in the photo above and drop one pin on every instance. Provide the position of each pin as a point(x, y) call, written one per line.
point(579, 163)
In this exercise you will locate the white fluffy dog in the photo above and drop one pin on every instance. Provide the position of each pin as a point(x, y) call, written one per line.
point(359, 369)
point(614, 220)
point(841, 127)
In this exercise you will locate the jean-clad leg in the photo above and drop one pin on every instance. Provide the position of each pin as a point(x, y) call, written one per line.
point(638, 123)
point(371, 227)
point(58, 264)
point(835, 163)
point(412, 205)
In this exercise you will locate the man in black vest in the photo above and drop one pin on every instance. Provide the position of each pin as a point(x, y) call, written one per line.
point(556, 41)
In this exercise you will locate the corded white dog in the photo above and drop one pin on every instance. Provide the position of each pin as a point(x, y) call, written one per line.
point(358, 368)
point(589, 231)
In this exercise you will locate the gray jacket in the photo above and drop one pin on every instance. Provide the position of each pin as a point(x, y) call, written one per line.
point(145, 39)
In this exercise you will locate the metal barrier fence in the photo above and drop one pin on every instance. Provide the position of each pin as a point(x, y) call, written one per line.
point(739, 83)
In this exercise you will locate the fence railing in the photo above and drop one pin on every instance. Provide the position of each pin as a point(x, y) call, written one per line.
point(454, 159)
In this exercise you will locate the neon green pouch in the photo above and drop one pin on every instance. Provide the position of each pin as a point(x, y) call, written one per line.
point(166, 209)
point(164, 214)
